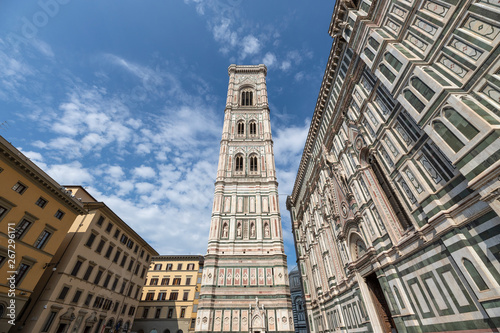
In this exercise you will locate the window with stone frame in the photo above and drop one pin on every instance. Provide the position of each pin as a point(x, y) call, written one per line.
point(22, 228)
point(240, 128)
point(41, 202)
point(246, 97)
point(19, 187)
point(43, 239)
point(252, 127)
point(253, 163)
point(238, 163)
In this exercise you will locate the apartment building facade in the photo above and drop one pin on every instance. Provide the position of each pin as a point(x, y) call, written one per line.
point(35, 215)
point(95, 279)
point(169, 301)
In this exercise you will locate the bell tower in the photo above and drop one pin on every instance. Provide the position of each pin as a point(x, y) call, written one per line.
point(245, 278)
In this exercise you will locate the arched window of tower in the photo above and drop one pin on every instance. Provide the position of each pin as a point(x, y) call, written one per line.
point(246, 97)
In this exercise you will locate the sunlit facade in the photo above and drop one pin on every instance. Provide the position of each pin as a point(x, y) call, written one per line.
point(396, 202)
point(170, 296)
point(94, 281)
point(35, 216)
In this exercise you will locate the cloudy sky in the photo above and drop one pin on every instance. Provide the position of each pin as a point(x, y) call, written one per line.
point(127, 98)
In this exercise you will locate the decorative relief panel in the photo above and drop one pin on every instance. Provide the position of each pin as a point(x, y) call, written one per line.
point(221, 276)
point(386, 156)
point(398, 11)
point(244, 320)
point(218, 321)
point(492, 93)
point(229, 277)
point(481, 28)
point(465, 49)
point(261, 277)
point(490, 2)
point(435, 8)
point(391, 147)
point(271, 320)
point(430, 169)
point(245, 276)
point(393, 25)
point(253, 276)
point(407, 191)
point(358, 96)
point(227, 204)
point(425, 26)
point(237, 276)
point(269, 276)
point(416, 41)
point(367, 85)
point(265, 204)
point(453, 66)
point(236, 322)
point(227, 320)
point(402, 133)
point(413, 180)
point(239, 207)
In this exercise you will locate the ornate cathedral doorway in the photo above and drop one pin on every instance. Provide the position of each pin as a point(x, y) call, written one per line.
point(380, 304)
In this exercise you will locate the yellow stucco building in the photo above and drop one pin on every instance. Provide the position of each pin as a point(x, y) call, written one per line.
point(96, 276)
point(35, 216)
point(170, 296)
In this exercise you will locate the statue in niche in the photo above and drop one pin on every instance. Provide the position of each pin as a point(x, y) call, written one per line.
point(266, 230)
point(252, 230)
point(225, 231)
point(238, 230)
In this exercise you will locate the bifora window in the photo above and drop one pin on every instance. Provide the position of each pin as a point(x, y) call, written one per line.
point(253, 163)
point(253, 128)
point(239, 163)
point(247, 98)
point(241, 128)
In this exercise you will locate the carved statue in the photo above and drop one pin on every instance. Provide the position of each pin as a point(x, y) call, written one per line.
point(266, 230)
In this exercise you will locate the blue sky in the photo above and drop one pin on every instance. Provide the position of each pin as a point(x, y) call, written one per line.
point(127, 98)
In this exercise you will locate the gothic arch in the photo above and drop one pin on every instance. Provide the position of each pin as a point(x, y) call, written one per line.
point(253, 162)
point(247, 95)
point(239, 162)
point(357, 246)
point(240, 127)
point(252, 127)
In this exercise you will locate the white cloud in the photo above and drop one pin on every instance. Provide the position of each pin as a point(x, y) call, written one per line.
point(251, 45)
point(285, 65)
point(299, 76)
point(43, 47)
point(269, 59)
point(115, 171)
point(223, 34)
point(70, 173)
point(147, 75)
point(143, 187)
point(144, 172)
point(289, 142)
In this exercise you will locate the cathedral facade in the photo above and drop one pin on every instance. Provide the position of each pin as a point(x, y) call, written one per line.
point(245, 282)
point(395, 208)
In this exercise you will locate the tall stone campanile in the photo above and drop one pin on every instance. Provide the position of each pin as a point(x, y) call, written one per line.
point(245, 282)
